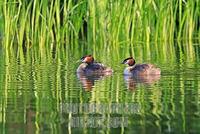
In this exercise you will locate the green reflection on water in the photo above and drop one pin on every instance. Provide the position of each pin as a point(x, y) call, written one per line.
point(40, 92)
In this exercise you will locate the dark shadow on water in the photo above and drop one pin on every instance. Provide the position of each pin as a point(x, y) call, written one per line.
point(88, 80)
point(133, 81)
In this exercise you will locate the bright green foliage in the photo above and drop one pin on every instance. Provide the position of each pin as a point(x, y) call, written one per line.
point(48, 25)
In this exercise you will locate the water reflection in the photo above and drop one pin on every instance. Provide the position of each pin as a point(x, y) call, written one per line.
point(30, 124)
point(31, 94)
point(88, 80)
point(132, 81)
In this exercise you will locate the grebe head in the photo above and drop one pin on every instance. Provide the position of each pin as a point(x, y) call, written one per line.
point(130, 61)
point(87, 59)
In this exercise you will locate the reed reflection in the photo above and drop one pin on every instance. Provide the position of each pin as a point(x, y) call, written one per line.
point(88, 80)
point(133, 81)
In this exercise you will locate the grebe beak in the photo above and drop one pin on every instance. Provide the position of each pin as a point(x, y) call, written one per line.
point(78, 61)
point(81, 60)
point(124, 62)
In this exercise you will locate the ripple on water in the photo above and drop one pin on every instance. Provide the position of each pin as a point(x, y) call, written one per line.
point(33, 93)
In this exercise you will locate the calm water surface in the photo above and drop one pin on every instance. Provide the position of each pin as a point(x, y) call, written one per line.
point(47, 96)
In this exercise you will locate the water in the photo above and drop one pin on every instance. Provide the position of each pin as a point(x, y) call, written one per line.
point(44, 95)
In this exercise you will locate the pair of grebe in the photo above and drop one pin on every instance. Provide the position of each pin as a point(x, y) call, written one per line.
point(90, 66)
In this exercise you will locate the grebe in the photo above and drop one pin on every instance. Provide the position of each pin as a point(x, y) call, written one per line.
point(139, 69)
point(90, 66)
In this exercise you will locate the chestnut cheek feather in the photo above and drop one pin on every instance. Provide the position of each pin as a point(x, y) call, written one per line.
point(88, 59)
point(131, 62)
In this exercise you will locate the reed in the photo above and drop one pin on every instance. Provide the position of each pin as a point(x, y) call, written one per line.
point(53, 24)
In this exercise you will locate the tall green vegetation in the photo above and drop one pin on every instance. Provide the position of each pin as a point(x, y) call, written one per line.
point(47, 25)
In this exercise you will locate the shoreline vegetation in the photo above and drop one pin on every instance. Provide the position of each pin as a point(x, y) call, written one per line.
point(166, 28)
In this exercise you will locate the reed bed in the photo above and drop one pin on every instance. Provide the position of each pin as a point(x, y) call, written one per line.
point(99, 23)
